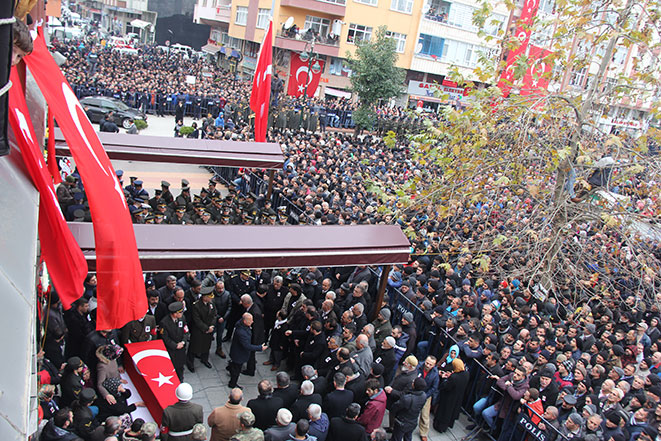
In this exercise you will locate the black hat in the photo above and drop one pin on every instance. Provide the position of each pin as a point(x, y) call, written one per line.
point(165, 184)
point(74, 362)
point(377, 369)
point(345, 287)
point(176, 307)
point(614, 417)
point(184, 183)
point(87, 395)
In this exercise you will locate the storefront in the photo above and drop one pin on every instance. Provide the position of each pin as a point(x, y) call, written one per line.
point(433, 95)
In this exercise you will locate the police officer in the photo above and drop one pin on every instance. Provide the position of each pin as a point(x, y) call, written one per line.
point(203, 325)
point(179, 418)
point(173, 330)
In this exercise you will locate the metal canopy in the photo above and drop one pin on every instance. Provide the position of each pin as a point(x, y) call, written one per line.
point(203, 247)
point(185, 150)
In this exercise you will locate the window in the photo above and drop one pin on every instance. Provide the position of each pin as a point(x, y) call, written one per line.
point(319, 25)
point(368, 2)
point(215, 35)
point(358, 33)
point(405, 6)
point(620, 55)
point(461, 16)
point(263, 17)
point(431, 46)
point(241, 16)
point(577, 77)
point(460, 53)
point(400, 39)
point(494, 24)
point(234, 43)
point(546, 6)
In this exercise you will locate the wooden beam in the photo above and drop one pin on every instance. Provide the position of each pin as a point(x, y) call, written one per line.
point(383, 284)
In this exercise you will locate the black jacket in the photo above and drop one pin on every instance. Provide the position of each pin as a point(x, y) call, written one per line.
point(265, 410)
point(53, 433)
point(406, 410)
point(300, 407)
point(336, 402)
point(287, 394)
point(344, 429)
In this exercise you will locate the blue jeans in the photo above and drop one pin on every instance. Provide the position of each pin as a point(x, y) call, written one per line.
point(480, 405)
point(490, 415)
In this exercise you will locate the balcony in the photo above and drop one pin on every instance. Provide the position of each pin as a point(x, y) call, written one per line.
point(331, 7)
point(294, 41)
point(211, 15)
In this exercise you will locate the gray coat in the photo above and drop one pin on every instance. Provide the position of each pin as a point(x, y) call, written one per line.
point(279, 433)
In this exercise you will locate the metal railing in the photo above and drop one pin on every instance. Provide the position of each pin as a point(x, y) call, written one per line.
point(294, 34)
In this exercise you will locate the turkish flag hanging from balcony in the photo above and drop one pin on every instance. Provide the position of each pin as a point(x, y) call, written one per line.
point(121, 289)
point(536, 79)
point(302, 75)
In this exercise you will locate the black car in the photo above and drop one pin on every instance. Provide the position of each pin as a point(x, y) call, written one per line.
point(97, 107)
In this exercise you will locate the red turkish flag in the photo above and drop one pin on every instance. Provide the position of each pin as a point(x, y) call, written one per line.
point(300, 74)
point(66, 263)
point(536, 79)
point(150, 368)
point(522, 34)
point(121, 290)
point(261, 86)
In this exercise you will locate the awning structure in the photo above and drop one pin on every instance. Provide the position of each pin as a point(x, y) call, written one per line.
point(211, 49)
point(202, 247)
point(137, 23)
point(185, 150)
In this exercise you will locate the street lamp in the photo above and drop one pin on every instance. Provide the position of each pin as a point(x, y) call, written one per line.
point(312, 58)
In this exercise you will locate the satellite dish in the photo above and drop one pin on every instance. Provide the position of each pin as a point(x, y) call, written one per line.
point(418, 48)
point(289, 23)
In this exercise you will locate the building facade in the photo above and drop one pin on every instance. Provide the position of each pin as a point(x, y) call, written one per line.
point(122, 16)
point(431, 36)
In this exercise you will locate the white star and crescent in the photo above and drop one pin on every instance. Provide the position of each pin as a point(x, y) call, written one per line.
point(163, 379)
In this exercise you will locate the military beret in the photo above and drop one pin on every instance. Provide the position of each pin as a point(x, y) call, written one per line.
point(176, 307)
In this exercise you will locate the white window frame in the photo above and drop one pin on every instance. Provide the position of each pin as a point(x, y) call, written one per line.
point(403, 6)
point(400, 40)
point(241, 16)
point(365, 31)
point(368, 2)
point(319, 24)
point(263, 16)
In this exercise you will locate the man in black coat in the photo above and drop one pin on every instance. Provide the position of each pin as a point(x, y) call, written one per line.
point(406, 411)
point(328, 359)
point(346, 428)
point(386, 357)
point(308, 396)
point(79, 324)
point(265, 407)
point(173, 332)
point(257, 330)
point(237, 286)
point(314, 346)
point(241, 348)
point(155, 306)
point(337, 402)
point(202, 328)
point(285, 390)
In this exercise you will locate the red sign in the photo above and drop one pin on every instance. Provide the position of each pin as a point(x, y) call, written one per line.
point(449, 83)
point(522, 34)
point(121, 289)
point(301, 77)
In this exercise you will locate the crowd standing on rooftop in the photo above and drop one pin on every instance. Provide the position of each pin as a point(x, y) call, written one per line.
point(582, 363)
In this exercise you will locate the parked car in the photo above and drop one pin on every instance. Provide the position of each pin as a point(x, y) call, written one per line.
point(98, 106)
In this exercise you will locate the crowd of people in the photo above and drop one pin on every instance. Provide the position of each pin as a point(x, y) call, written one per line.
point(581, 363)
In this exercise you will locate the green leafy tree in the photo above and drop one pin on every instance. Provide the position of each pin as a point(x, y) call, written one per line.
point(375, 75)
point(554, 201)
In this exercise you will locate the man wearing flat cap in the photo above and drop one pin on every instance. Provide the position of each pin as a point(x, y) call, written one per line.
point(173, 331)
point(204, 316)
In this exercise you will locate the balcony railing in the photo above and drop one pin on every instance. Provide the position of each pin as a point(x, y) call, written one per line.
point(296, 34)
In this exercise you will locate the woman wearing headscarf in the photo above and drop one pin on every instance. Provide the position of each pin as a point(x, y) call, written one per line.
point(450, 396)
point(107, 368)
point(446, 365)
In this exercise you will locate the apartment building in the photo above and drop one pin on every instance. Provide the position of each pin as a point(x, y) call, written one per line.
point(121, 16)
point(431, 36)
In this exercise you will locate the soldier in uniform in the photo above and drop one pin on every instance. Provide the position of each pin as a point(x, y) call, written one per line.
point(143, 329)
point(213, 192)
point(166, 195)
point(179, 418)
point(138, 191)
point(247, 431)
point(173, 330)
point(203, 326)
